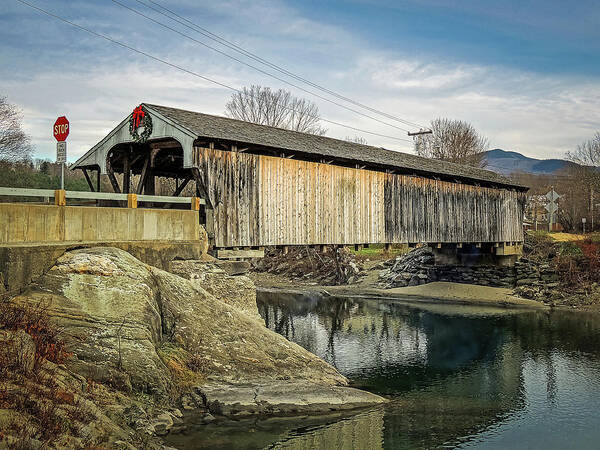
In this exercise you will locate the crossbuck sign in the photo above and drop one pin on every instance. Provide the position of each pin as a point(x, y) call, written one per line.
point(551, 207)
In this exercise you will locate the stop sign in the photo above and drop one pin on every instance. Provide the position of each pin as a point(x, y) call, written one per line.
point(61, 129)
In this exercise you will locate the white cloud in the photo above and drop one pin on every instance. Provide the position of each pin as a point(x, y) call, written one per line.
point(539, 115)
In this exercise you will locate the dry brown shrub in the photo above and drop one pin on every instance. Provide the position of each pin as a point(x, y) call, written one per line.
point(33, 319)
point(37, 396)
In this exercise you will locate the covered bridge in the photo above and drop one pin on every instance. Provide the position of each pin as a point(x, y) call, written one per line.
point(267, 186)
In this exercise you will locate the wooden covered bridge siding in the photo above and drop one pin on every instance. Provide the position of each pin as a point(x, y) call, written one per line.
point(262, 201)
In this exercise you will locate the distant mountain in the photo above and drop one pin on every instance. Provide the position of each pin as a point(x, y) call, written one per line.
point(506, 162)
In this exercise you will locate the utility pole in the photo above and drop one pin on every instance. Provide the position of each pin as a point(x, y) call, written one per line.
point(592, 209)
point(420, 132)
point(418, 138)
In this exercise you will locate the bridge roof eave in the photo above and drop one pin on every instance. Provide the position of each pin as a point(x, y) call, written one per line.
point(162, 127)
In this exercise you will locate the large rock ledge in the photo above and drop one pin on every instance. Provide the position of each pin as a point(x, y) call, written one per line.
point(193, 341)
point(283, 398)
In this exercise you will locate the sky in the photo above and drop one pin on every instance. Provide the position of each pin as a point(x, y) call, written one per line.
point(525, 73)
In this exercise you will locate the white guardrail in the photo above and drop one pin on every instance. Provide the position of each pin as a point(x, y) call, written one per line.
point(83, 195)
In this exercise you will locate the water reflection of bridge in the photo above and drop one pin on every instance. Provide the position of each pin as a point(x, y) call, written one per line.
point(479, 380)
point(450, 374)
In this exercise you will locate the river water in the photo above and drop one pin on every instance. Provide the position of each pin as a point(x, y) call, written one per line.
point(456, 377)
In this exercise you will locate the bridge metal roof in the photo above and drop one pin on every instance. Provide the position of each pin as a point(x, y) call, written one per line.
point(218, 127)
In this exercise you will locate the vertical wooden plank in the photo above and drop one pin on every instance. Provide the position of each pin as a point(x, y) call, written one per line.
point(261, 200)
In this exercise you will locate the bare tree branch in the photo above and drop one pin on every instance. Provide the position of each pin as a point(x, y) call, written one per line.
point(15, 145)
point(453, 140)
point(279, 108)
point(587, 155)
point(357, 140)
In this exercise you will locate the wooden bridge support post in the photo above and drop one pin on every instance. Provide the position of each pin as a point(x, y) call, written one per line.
point(88, 179)
point(112, 178)
point(143, 176)
point(126, 174)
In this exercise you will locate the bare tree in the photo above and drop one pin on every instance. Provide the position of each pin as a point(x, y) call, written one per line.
point(357, 140)
point(577, 197)
point(587, 155)
point(453, 140)
point(279, 108)
point(15, 145)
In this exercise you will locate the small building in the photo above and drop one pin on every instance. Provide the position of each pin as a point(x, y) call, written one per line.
point(267, 186)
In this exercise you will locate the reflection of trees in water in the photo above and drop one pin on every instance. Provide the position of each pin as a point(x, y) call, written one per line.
point(396, 339)
point(470, 375)
point(559, 330)
point(548, 335)
point(550, 379)
point(279, 310)
point(336, 312)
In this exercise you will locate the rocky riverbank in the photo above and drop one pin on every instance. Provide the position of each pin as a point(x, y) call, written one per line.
point(551, 273)
point(416, 275)
point(419, 267)
point(137, 347)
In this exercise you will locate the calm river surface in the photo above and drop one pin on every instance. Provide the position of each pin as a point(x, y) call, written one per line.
point(457, 377)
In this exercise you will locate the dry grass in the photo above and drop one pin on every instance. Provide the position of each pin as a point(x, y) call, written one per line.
point(187, 369)
point(42, 408)
point(33, 319)
point(377, 252)
point(567, 237)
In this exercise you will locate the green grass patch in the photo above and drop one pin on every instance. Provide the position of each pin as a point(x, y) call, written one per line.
point(377, 251)
point(569, 249)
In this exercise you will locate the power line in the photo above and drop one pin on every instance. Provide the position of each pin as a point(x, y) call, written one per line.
point(248, 54)
point(175, 66)
point(254, 67)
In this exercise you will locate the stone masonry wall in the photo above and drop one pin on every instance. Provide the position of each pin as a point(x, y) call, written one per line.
point(418, 267)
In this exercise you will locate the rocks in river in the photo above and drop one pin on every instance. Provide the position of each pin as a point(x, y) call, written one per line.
point(162, 424)
point(131, 329)
point(159, 423)
point(282, 398)
point(191, 401)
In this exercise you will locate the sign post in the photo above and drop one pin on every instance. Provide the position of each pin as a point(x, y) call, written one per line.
point(61, 131)
point(583, 221)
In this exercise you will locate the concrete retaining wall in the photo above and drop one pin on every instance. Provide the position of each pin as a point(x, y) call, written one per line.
point(32, 223)
point(33, 236)
point(20, 264)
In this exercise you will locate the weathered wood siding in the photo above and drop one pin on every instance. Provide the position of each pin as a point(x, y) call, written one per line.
point(261, 200)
